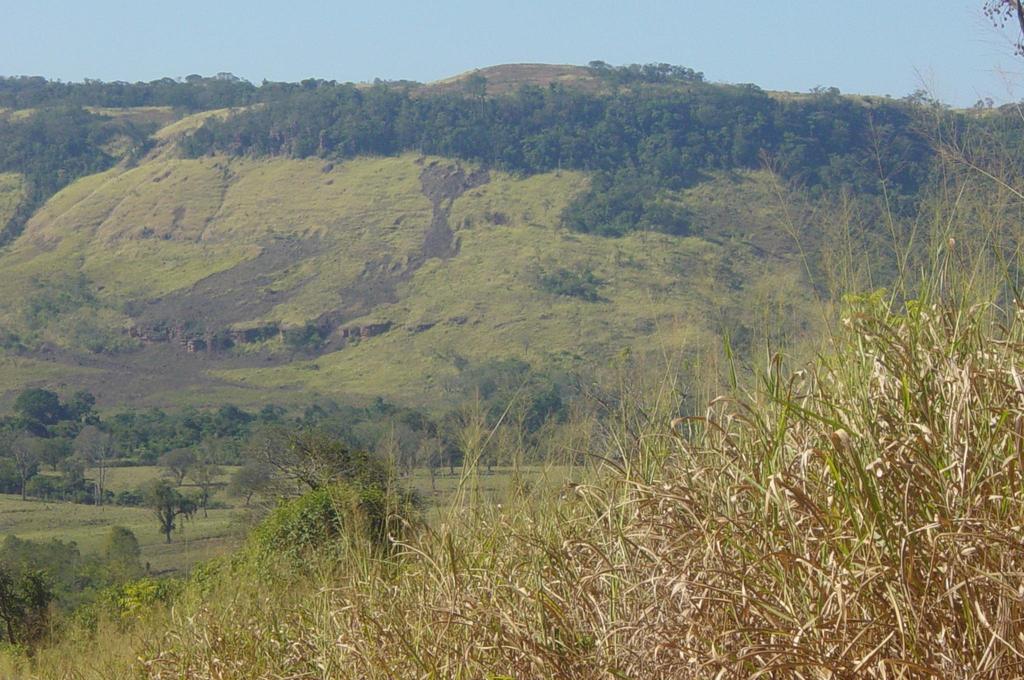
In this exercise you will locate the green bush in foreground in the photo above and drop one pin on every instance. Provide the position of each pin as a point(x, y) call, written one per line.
point(301, 526)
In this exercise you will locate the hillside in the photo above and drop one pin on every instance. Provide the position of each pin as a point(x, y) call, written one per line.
point(192, 271)
point(214, 241)
point(507, 78)
point(11, 191)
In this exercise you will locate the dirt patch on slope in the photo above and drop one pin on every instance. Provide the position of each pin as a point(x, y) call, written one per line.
point(188, 332)
point(443, 184)
point(238, 294)
point(245, 291)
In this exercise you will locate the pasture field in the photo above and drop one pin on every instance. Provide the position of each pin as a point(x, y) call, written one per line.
point(134, 477)
point(196, 540)
point(494, 487)
point(203, 538)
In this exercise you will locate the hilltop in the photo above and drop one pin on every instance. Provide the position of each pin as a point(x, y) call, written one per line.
point(507, 78)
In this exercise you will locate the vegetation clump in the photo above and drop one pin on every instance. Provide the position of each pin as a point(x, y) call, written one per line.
point(579, 283)
point(312, 522)
point(54, 146)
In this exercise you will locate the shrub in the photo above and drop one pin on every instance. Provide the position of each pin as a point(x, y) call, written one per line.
point(623, 202)
point(135, 599)
point(45, 487)
point(129, 498)
point(578, 283)
point(304, 338)
point(312, 521)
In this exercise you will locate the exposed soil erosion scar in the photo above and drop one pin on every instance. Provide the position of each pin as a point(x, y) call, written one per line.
point(231, 296)
point(201, 318)
point(442, 184)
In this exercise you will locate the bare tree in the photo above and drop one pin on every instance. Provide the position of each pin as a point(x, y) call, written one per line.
point(7, 438)
point(177, 463)
point(430, 454)
point(204, 473)
point(1002, 12)
point(26, 451)
point(96, 448)
point(252, 478)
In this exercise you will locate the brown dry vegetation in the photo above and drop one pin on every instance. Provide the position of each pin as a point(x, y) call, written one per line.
point(858, 518)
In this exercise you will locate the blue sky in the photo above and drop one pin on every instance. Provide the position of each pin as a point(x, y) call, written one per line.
point(870, 46)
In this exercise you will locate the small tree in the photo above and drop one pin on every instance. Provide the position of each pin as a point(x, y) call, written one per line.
point(72, 469)
point(204, 474)
point(122, 553)
point(80, 407)
point(398, 445)
point(167, 504)
point(39, 408)
point(476, 85)
point(430, 454)
point(8, 437)
point(24, 604)
point(53, 451)
point(252, 478)
point(26, 452)
point(177, 463)
point(10, 604)
point(314, 458)
point(96, 448)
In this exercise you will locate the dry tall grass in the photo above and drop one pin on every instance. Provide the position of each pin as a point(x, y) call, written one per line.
point(861, 518)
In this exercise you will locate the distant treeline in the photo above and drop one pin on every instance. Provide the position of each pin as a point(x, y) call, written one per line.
point(640, 141)
point(199, 93)
point(52, 147)
point(194, 93)
point(69, 436)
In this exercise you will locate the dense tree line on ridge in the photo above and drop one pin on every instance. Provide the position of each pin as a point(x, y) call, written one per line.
point(640, 142)
point(198, 93)
point(653, 129)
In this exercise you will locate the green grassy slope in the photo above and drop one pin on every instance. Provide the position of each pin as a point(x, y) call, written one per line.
point(451, 258)
point(11, 191)
point(659, 292)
